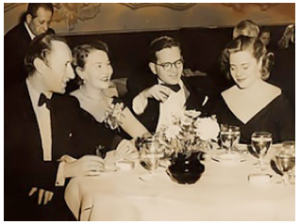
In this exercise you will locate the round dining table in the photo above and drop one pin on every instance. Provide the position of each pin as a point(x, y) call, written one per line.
point(224, 192)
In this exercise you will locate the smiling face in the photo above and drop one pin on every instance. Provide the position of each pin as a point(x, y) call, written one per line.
point(97, 70)
point(41, 22)
point(58, 71)
point(167, 55)
point(244, 68)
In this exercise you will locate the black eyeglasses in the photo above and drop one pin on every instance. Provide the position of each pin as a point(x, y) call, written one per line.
point(168, 65)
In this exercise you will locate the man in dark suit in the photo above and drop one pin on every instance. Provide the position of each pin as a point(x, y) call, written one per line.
point(44, 133)
point(156, 97)
point(16, 41)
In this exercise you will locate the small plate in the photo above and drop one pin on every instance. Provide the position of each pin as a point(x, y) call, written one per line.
point(228, 158)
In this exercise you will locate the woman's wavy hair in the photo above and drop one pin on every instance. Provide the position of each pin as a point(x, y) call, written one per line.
point(81, 52)
point(287, 37)
point(246, 27)
point(258, 49)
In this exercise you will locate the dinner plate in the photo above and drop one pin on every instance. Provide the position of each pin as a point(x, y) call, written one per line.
point(228, 158)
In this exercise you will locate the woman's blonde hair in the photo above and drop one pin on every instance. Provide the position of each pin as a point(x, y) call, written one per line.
point(246, 28)
point(258, 49)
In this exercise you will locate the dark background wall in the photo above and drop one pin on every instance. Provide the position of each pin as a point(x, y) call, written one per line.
point(201, 49)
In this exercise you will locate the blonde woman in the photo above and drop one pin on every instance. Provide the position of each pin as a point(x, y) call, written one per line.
point(253, 104)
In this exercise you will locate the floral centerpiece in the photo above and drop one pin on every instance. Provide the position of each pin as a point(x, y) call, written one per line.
point(186, 133)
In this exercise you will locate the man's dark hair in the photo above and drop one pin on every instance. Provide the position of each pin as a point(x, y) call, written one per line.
point(40, 47)
point(161, 43)
point(33, 7)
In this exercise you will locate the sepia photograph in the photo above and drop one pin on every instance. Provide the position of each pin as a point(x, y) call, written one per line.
point(149, 111)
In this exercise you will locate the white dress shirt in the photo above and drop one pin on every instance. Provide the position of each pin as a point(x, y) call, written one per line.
point(32, 36)
point(44, 121)
point(173, 106)
point(43, 117)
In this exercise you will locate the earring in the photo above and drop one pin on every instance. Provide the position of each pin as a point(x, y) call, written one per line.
point(80, 81)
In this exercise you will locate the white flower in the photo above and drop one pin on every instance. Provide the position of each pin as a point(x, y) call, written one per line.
point(207, 128)
point(114, 115)
point(187, 121)
point(172, 132)
point(187, 117)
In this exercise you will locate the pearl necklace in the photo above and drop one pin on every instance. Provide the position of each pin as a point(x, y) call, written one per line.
point(91, 98)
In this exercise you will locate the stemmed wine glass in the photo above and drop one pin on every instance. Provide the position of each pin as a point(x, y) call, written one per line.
point(285, 160)
point(261, 143)
point(230, 136)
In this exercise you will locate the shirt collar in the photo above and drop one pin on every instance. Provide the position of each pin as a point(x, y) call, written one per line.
point(35, 94)
point(32, 36)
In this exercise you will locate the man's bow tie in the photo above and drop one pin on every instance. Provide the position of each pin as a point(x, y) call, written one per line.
point(43, 99)
point(175, 88)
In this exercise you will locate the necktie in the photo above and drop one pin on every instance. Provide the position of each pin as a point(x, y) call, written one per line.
point(43, 99)
point(175, 88)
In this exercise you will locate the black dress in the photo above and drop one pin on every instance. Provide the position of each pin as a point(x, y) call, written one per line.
point(277, 118)
point(110, 138)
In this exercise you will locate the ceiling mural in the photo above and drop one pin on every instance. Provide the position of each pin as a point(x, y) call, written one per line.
point(72, 12)
point(241, 6)
point(175, 6)
point(94, 17)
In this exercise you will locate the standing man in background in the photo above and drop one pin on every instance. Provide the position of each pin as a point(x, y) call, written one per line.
point(16, 41)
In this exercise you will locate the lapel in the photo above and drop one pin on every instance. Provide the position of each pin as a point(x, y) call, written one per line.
point(62, 124)
point(60, 133)
point(30, 124)
point(24, 34)
point(194, 99)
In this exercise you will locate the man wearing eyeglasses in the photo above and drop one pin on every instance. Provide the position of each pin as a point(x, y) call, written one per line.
point(158, 97)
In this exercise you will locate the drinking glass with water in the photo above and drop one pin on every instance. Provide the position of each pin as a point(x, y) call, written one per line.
point(150, 154)
point(261, 143)
point(285, 160)
point(230, 136)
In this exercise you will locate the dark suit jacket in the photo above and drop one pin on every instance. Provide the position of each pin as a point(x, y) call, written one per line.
point(16, 43)
point(23, 154)
point(195, 98)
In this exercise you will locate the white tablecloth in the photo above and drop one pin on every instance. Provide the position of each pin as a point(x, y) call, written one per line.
point(223, 193)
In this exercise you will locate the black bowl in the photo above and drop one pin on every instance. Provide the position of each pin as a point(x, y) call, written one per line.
point(185, 173)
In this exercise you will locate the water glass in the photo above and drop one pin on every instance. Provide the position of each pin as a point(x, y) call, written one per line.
point(285, 161)
point(149, 155)
point(230, 136)
point(261, 143)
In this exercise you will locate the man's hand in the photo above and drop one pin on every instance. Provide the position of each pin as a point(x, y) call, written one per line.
point(85, 166)
point(42, 193)
point(158, 92)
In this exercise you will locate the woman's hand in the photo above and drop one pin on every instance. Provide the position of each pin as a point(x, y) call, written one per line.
point(126, 150)
point(85, 166)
